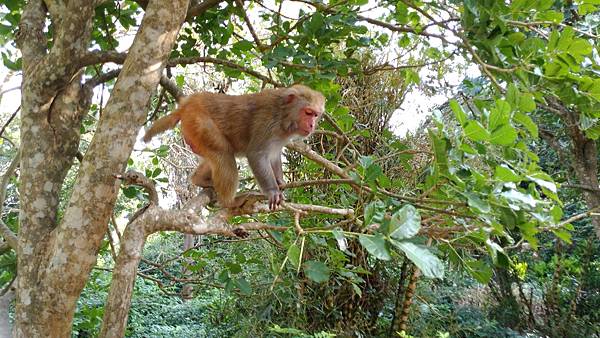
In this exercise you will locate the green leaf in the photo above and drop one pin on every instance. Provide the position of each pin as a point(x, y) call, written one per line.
point(372, 173)
point(499, 115)
point(316, 271)
point(130, 192)
point(234, 268)
point(369, 213)
point(243, 46)
point(550, 15)
point(475, 131)
point(580, 47)
point(527, 103)
point(405, 223)
point(440, 146)
point(563, 234)
point(244, 286)
point(543, 180)
point(505, 135)
point(180, 80)
point(527, 122)
point(223, 276)
point(366, 161)
point(458, 112)
point(557, 213)
point(293, 255)
point(376, 246)
point(477, 203)
point(566, 38)
point(315, 23)
point(425, 260)
point(512, 94)
point(479, 270)
point(519, 197)
point(505, 174)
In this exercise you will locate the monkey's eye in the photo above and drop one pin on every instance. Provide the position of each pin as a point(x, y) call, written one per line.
point(310, 112)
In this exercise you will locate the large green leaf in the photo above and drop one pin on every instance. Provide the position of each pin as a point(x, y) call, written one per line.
point(505, 135)
point(499, 115)
point(376, 246)
point(527, 122)
point(476, 132)
point(293, 255)
point(405, 223)
point(477, 203)
point(505, 174)
point(458, 112)
point(316, 271)
point(425, 260)
point(479, 270)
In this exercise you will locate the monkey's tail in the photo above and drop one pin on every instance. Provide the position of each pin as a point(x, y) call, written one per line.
point(162, 124)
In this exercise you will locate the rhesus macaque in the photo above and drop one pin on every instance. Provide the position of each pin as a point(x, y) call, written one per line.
point(220, 127)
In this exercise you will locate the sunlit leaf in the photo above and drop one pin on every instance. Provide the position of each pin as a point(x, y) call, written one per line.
point(476, 132)
point(505, 174)
point(504, 135)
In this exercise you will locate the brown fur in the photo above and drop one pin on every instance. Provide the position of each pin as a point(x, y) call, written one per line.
point(219, 127)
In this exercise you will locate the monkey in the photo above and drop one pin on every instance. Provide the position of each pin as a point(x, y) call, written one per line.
point(221, 127)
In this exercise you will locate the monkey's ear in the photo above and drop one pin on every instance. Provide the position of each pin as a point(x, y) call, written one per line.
point(289, 98)
point(290, 95)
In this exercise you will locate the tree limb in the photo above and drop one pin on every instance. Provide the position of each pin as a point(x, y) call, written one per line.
point(9, 120)
point(259, 44)
point(118, 58)
point(9, 236)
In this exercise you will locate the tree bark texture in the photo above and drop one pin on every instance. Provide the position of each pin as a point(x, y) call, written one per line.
point(53, 103)
point(55, 257)
point(585, 157)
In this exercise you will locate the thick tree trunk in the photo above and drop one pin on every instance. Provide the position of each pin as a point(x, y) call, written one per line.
point(585, 157)
point(586, 168)
point(5, 300)
point(53, 102)
point(54, 260)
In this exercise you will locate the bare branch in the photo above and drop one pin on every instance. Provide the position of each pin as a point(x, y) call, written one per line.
point(259, 44)
point(8, 235)
point(532, 25)
point(132, 177)
point(298, 184)
point(9, 120)
point(591, 212)
point(118, 58)
point(200, 8)
point(580, 186)
point(171, 87)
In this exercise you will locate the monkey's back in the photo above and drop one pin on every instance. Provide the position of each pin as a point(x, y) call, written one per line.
point(223, 122)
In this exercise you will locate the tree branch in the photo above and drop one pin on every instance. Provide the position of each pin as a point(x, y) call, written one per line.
point(580, 186)
point(200, 8)
point(9, 120)
point(259, 44)
point(171, 87)
point(118, 58)
point(9, 236)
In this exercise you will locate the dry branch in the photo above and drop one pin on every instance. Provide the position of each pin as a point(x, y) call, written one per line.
point(9, 236)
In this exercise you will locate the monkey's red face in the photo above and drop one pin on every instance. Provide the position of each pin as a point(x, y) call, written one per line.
point(307, 121)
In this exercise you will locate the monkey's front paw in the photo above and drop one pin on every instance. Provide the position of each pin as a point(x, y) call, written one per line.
point(280, 182)
point(275, 198)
